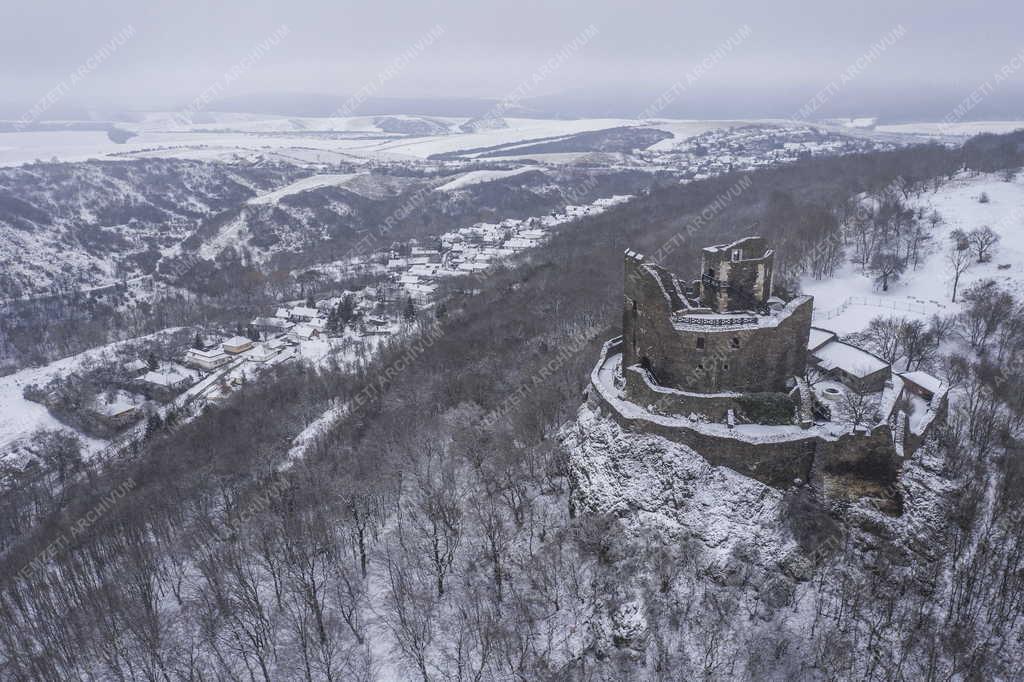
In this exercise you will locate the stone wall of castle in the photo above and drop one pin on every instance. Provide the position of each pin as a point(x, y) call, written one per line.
point(710, 359)
point(743, 283)
point(713, 406)
point(869, 455)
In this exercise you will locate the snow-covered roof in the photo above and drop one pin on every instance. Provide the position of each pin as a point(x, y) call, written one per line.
point(850, 359)
point(212, 354)
point(119, 403)
point(136, 365)
point(305, 331)
point(237, 341)
point(167, 375)
point(818, 338)
point(302, 311)
point(270, 322)
point(924, 380)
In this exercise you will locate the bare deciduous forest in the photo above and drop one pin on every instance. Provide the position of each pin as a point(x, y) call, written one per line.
point(433, 533)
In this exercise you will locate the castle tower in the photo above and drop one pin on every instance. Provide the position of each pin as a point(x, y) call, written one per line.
point(726, 339)
point(737, 276)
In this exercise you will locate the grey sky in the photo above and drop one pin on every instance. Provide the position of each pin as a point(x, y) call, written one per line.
point(488, 48)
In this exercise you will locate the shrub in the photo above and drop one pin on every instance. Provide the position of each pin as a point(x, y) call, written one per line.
point(767, 408)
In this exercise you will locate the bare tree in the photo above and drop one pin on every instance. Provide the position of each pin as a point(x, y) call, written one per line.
point(918, 343)
point(858, 409)
point(886, 267)
point(983, 241)
point(883, 336)
point(958, 259)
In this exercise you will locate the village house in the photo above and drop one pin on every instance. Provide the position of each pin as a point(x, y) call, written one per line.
point(118, 410)
point(304, 332)
point(166, 382)
point(271, 325)
point(206, 359)
point(237, 344)
point(262, 353)
point(136, 368)
point(303, 314)
point(375, 326)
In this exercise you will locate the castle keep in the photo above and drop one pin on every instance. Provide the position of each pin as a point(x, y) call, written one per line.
point(720, 364)
point(723, 332)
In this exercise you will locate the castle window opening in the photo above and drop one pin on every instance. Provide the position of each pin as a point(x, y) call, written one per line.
point(700, 343)
point(737, 254)
point(735, 342)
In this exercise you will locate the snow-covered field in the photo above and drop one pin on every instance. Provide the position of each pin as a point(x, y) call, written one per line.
point(227, 136)
point(480, 176)
point(311, 140)
point(956, 129)
point(927, 290)
point(312, 182)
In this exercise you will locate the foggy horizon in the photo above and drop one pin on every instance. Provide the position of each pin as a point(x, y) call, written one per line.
point(888, 59)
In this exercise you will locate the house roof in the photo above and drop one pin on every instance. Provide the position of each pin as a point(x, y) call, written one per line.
point(167, 375)
point(270, 322)
point(923, 380)
point(211, 354)
point(238, 341)
point(818, 338)
point(852, 360)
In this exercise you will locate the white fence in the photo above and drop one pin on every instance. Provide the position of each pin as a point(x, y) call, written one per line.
point(920, 307)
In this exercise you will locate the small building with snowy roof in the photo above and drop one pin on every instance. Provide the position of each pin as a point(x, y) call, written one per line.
point(818, 338)
point(237, 344)
point(271, 325)
point(304, 332)
point(923, 384)
point(303, 314)
point(208, 360)
point(855, 367)
point(136, 367)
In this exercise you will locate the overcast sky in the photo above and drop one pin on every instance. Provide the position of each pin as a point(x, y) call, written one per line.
point(178, 49)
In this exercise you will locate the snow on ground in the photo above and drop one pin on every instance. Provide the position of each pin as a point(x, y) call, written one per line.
point(244, 135)
point(312, 182)
point(683, 129)
point(20, 417)
point(958, 129)
point(519, 130)
point(481, 176)
point(649, 481)
point(117, 402)
point(847, 302)
point(230, 136)
point(257, 123)
point(316, 428)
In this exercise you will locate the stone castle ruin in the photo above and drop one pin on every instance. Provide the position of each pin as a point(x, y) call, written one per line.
point(742, 377)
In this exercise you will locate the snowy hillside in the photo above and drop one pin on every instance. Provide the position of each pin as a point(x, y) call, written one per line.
point(847, 302)
point(78, 224)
